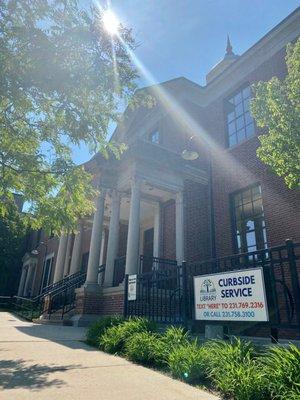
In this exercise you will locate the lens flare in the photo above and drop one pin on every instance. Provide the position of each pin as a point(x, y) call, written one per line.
point(233, 170)
point(110, 22)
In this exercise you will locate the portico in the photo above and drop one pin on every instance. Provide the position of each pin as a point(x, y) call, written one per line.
point(139, 225)
point(132, 197)
point(138, 209)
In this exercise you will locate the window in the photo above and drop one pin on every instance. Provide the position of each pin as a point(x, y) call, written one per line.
point(154, 137)
point(249, 221)
point(240, 124)
point(47, 271)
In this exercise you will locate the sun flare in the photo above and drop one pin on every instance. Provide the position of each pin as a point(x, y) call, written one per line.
point(110, 22)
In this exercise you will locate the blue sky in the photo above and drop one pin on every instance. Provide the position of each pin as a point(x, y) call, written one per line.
point(188, 37)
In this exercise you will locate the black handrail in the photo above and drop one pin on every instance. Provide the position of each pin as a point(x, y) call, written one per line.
point(64, 298)
point(53, 286)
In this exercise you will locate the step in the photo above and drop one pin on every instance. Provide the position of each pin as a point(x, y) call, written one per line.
point(56, 319)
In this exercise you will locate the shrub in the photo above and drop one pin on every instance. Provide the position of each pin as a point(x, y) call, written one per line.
point(145, 348)
point(236, 370)
point(172, 338)
point(96, 329)
point(188, 362)
point(113, 340)
point(283, 367)
point(176, 336)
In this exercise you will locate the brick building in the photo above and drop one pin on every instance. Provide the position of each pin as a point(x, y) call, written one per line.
point(155, 205)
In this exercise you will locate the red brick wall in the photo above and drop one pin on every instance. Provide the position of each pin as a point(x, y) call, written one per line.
point(236, 168)
point(101, 304)
point(112, 304)
point(168, 248)
point(197, 228)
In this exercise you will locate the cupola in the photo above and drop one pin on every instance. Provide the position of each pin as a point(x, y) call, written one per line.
point(228, 59)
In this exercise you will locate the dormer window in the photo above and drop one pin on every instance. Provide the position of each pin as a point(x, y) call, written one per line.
point(154, 136)
point(240, 124)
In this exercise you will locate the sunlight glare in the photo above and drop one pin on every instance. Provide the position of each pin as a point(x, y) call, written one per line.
point(110, 22)
point(227, 162)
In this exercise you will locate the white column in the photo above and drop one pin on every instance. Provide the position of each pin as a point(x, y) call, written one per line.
point(29, 278)
point(68, 255)
point(101, 259)
point(113, 239)
point(22, 281)
point(60, 260)
point(156, 235)
point(132, 252)
point(76, 253)
point(179, 228)
point(93, 264)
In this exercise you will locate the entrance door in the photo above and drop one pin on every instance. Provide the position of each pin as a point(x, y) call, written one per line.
point(148, 250)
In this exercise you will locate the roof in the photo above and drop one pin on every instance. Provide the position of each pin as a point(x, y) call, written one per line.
point(195, 90)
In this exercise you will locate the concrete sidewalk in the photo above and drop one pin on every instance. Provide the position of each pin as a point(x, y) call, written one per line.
point(46, 361)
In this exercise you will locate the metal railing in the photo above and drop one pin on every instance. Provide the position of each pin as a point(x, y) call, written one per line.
point(167, 294)
point(148, 264)
point(59, 284)
point(159, 295)
point(62, 300)
point(32, 308)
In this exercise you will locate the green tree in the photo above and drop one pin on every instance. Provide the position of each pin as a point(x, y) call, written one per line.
point(276, 108)
point(12, 248)
point(61, 83)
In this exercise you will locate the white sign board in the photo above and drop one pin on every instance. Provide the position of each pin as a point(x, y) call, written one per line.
point(231, 296)
point(131, 287)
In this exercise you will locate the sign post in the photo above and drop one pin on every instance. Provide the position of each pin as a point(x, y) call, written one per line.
point(131, 287)
point(231, 296)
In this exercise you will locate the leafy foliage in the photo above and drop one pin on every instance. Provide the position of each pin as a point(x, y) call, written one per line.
point(58, 88)
point(154, 349)
point(173, 338)
point(97, 329)
point(176, 336)
point(114, 339)
point(235, 370)
point(145, 348)
point(188, 362)
point(283, 369)
point(276, 108)
point(12, 247)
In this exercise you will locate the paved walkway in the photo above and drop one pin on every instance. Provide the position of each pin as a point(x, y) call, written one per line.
point(46, 361)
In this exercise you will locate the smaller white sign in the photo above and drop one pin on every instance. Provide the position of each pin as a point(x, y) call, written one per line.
point(231, 296)
point(131, 287)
